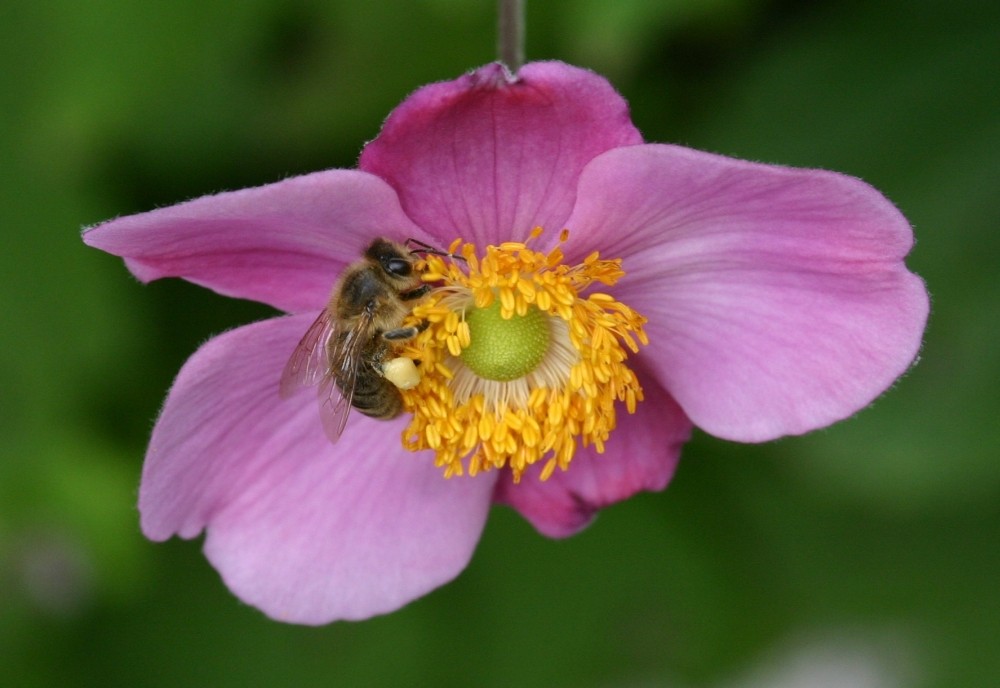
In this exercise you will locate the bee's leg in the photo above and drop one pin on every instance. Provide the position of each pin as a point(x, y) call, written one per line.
point(415, 293)
point(401, 334)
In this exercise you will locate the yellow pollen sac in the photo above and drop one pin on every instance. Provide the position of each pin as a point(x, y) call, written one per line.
point(563, 393)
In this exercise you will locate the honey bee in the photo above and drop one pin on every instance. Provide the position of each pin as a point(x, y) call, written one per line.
point(348, 350)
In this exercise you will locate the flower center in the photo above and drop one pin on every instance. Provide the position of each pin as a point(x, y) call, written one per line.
point(505, 349)
point(517, 364)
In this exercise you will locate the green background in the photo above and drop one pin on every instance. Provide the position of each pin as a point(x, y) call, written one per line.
point(866, 553)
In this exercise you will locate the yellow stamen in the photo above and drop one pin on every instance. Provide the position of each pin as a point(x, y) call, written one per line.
point(566, 401)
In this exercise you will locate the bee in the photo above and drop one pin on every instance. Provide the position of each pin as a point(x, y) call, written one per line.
point(348, 350)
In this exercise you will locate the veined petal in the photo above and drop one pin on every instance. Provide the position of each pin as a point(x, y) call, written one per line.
point(304, 530)
point(641, 454)
point(489, 156)
point(778, 300)
point(283, 244)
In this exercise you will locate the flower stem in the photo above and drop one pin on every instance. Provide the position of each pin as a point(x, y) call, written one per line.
point(510, 33)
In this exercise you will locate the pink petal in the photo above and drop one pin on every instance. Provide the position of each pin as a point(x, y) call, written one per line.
point(304, 530)
point(283, 244)
point(487, 157)
point(641, 454)
point(778, 300)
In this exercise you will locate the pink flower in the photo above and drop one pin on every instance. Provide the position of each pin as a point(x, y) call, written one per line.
point(777, 303)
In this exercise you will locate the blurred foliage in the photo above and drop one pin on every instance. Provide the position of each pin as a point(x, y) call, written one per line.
point(878, 535)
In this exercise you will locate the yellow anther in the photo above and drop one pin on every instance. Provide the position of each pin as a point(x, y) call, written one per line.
point(567, 401)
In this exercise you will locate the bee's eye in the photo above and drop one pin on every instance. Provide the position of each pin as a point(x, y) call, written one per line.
point(399, 267)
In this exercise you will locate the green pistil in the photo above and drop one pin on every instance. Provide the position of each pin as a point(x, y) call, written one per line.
point(505, 350)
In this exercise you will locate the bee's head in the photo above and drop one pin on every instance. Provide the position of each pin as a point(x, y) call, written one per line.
point(393, 258)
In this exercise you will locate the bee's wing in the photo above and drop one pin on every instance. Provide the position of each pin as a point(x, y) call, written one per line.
point(309, 362)
point(334, 408)
point(326, 354)
point(346, 357)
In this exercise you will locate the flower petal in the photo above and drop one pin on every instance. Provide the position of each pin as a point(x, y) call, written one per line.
point(304, 530)
point(283, 244)
point(778, 300)
point(641, 454)
point(487, 157)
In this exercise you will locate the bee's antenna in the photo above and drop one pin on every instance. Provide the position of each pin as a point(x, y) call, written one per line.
point(417, 246)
